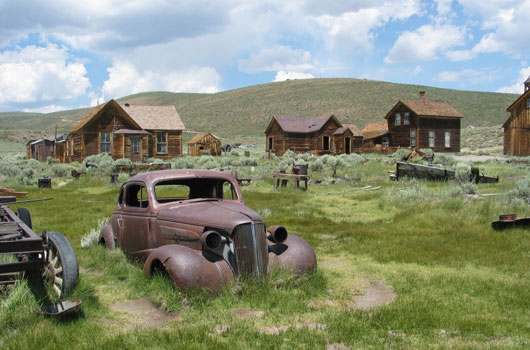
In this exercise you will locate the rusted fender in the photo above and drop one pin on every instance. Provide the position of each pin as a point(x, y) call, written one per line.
point(189, 268)
point(107, 237)
point(294, 253)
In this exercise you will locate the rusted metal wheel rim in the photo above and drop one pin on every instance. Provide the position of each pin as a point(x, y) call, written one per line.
point(53, 273)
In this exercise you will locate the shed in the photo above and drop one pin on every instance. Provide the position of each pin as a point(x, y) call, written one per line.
point(47, 147)
point(302, 134)
point(125, 130)
point(517, 126)
point(375, 134)
point(204, 144)
point(357, 143)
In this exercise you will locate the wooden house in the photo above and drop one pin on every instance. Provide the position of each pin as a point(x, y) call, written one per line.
point(48, 147)
point(424, 124)
point(127, 131)
point(204, 144)
point(517, 126)
point(357, 142)
point(343, 138)
point(375, 136)
point(303, 135)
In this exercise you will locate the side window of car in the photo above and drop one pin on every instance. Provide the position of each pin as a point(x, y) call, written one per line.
point(136, 196)
point(229, 192)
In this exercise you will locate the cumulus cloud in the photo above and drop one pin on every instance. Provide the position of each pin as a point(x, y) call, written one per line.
point(426, 43)
point(40, 74)
point(354, 29)
point(282, 76)
point(46, 109)
point(125, 79)
point(275, 59)
point(518, 86)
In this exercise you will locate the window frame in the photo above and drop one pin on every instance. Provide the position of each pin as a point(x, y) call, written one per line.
point(103, 142)
point(161, 143)
point(432, 138)
point(406, 118)
point(135, 143)
point(397, 119)
point(447, 139)
point(412, 137)
point(324, 137)
point(528, 102)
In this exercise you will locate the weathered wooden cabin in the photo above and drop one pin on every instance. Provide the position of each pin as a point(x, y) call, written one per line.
point(357, 142)
point(375, 137)
point(303, 135)
point(517, 126)
point(127, 131)
point(343, 138)
point(204, 144)
point(48, 147)
point(424, 124)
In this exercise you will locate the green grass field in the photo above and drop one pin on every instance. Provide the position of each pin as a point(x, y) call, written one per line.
point(457, 283)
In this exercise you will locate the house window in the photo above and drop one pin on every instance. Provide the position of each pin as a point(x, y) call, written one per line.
point(135, 145)
point(104, 142)
point(161, 142)
point(412, 138)
point(269, 145)
point(398, 119)
point(325, 143)
point(406, 118)
point(447, 139)
point(431, 139)
point(528, 102)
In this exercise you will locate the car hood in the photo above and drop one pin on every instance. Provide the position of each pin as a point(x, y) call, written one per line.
point(225, 215)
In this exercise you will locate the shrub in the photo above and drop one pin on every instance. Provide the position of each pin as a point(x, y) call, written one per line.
point(317, 165)
point(521, 192)
point(91, 238)
point(234, 153)
point(183, 163)
point(400, 154)
point(462, 172)
point(445, 159)
point(249, 161)
point(61, 170)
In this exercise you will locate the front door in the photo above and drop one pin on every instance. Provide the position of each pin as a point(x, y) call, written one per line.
point(347, 145)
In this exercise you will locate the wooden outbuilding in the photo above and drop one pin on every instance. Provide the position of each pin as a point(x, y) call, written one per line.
point(424, 124)
point(357, 142)
point(204, 144)
point(48, 147)
point(375, 136)
point(343, 138)
point(127, 131)
point(302, 134)
point(517, 126)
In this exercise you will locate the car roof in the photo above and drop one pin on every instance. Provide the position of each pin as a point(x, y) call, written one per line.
point(158, 175)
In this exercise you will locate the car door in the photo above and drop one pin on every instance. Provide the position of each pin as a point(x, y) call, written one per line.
point(135, 221)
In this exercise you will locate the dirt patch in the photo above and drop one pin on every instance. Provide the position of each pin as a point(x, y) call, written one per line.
point(337, 346)
point(220, 329)
point(312, 326)
point(83, 271)
point(244, 314)
point(142, 313)
point(376, 294)
point(272, 330)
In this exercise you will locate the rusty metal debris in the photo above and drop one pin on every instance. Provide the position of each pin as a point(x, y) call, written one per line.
point(510, 221)
point(47, 261)
point(193, 226)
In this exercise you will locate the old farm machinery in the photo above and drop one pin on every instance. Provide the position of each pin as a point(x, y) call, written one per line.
point(47, 261)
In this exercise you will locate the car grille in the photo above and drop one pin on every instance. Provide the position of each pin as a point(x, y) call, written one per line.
point(250, 242)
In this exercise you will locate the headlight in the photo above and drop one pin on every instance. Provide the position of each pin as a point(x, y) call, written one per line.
point(276, 234)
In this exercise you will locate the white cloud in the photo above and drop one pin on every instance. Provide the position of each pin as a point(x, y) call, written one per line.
point(278, 58)
point(125, 79)
point(282, 76)
point(40, 74)
point(354, 30)
point(426, 43)
point(46, 109)
point(518, 86)
point(456, 76)
point(417, 70)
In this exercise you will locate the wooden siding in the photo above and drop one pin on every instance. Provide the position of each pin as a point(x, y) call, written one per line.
point(174, 144)
point(439, 126)
point(206, 145)
point(400, 134)
point(340, 142)
point(517, 130)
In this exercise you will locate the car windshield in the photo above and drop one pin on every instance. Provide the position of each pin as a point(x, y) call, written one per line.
point(194, 188)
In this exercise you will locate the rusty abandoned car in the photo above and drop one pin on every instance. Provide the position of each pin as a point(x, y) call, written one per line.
point(194, 226)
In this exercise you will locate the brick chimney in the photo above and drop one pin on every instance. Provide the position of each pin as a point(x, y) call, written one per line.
point(422, 96)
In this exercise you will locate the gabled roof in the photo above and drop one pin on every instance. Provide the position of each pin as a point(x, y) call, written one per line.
point(374, 130)
point(197, 138)
point(302, 124)
point(154, 117)
point(341, 130)
point(428, 108)
point(142, 117)
point(516, 102)
point(354, 129)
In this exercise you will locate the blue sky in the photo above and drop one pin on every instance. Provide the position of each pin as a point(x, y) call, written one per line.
point(63, 54)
